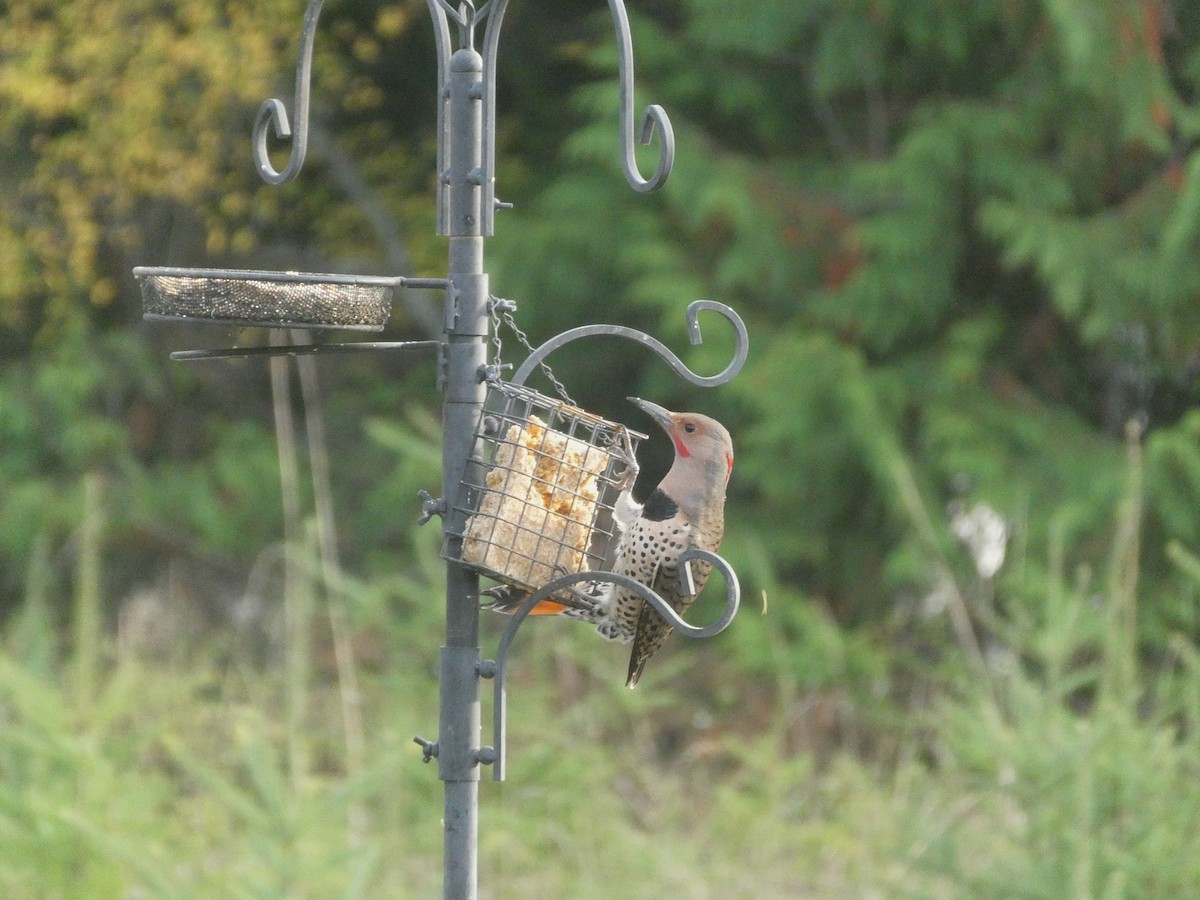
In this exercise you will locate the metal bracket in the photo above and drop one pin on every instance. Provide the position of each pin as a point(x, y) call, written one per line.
point(458, 756)
point(302, 350)
point(740, 352)
point(497, 669)
point(462, 290)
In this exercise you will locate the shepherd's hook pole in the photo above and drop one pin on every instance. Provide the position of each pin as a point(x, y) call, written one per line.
point(466, 203)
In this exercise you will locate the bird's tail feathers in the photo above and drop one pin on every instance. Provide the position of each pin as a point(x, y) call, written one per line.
point(651, 633)
point(635, 672)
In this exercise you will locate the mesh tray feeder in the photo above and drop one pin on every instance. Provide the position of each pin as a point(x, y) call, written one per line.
point(541, 503)
point(266, 299)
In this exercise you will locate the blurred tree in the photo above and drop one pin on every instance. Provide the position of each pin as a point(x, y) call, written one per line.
point(963, 237)
point(124, 140)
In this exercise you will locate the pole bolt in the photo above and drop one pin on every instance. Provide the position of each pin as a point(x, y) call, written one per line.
point(430, 506)
point(430, 747)
point(490, 372)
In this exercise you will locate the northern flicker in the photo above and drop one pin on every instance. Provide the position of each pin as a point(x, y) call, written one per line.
point(686, 510)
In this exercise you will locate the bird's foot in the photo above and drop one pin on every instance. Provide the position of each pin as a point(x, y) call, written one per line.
point(574, 597)
point(503, 598)
point(623, 451)
point(508, 599)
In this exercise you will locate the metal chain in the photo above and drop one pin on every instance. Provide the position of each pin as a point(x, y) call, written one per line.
point(493, 307)
point(502, 310)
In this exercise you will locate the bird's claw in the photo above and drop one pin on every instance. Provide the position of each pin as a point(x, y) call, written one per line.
point(575, 596)
point(624, 453)
point(589, 595)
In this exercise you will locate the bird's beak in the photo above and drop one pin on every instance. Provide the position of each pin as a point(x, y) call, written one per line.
point(664, 417)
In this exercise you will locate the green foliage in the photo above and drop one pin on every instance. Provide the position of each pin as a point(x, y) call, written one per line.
point(1068, 771)
point(963, 238)
point(958, 286)
point(1173, 464)
point(1087, 793)
point(110, 110)
point(172, 784)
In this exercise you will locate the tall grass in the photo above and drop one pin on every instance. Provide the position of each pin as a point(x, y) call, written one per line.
point(1081, 779)
point(1071, 771)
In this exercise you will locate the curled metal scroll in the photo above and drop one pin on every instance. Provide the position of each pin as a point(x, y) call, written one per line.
point(275, 113)
point(653, 116)
point(497, 669)
point(741, 349)
point(465, 15)
point(491, 43)
point(460, 16)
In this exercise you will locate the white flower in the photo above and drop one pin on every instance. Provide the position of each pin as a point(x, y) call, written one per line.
point(984, 533)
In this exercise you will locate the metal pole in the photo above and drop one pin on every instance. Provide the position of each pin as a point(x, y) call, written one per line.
point(465, 352)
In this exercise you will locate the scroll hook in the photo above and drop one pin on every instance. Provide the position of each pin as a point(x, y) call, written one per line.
point(653, 117)
point(275, 113)
point(740, 352)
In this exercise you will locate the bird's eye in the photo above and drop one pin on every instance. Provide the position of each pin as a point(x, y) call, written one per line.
point(690, 427)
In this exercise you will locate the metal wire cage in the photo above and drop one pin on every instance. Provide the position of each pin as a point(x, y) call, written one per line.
point(541, 504)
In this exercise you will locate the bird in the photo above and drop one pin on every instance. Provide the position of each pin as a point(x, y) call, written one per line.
point(685, 510)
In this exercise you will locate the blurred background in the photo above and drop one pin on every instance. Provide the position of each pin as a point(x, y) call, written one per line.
point(964, 512)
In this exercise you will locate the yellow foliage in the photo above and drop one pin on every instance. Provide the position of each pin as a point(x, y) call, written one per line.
point(111, 110)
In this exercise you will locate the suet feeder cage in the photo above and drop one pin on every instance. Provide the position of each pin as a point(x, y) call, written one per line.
point(539, 504)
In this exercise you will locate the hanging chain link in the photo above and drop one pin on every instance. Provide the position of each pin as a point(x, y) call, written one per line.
point(502, 311)
point(493, 307)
